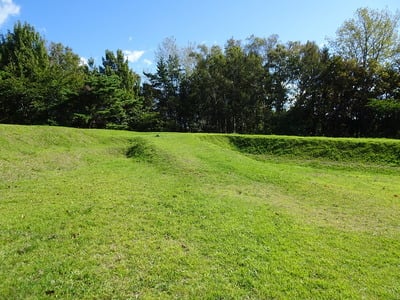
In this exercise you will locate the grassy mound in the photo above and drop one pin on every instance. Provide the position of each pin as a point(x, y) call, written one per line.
point(98, 214)
point(346, 150)
point(140, 149)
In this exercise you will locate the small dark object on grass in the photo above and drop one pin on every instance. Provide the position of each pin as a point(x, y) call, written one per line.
point(50, 292)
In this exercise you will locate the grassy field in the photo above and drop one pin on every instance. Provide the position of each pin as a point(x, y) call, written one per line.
point(91, 214)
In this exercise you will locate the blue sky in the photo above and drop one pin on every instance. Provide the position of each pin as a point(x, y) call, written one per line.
point(90, 27)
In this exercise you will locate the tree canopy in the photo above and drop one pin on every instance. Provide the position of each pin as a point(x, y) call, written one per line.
point(370, 37)
point(260, 85)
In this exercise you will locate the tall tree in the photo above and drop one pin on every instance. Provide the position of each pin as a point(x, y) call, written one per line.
point(371, 36)
point(165, 89)
point(371, 40)
point(166, 84)
point(110, 97)
point(311, 102)
point(63, 80)
point(208, 89)
point(283, 67)
point(117, 64)
point(246, 79)
point(23, 60)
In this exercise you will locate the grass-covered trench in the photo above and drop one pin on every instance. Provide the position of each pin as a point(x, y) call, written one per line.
point(91, 214)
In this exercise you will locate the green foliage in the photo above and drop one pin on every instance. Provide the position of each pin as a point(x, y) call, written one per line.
point(23, 51)
point(141, 149)
point(48, 85)
point(165, 88)
point(110, 95)
point(266, 86)
point(371, 37)
point(362, 151)
point(385, 106)
point(387, 116)
point(23, 64)
point(258, 86)
point(118, 65)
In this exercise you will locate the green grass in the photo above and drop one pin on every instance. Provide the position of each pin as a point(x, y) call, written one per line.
point(91, 214)
point(375, 151)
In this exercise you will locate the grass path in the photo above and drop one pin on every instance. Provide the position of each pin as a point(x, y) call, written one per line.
point(189, 217)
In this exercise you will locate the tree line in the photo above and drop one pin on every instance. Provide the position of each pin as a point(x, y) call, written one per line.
point(350, 87)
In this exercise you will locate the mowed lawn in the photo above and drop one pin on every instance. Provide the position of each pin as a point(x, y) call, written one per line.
point(97, 214)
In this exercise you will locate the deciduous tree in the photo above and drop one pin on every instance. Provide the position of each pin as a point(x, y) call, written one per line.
point(371, 36)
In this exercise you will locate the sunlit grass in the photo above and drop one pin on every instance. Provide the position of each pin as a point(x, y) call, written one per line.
point(188, 216)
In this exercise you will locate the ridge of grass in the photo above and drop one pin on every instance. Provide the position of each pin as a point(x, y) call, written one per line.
point(376, 151)
point(121, 215)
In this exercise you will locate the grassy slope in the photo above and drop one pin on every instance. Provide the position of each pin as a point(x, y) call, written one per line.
point(375, 151)
point(188, 216)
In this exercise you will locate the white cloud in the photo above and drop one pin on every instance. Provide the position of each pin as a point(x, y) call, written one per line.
point(133, 56)
point(84, 61)
point(147, 62)
point(8, 8)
